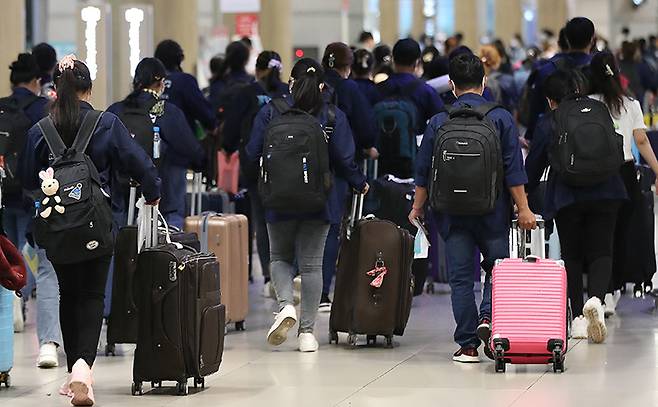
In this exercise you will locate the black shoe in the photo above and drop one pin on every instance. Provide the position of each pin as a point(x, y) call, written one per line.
point(484, 333)
point(325, 303)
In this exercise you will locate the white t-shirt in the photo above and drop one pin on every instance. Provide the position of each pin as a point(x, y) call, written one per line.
point(631, 118)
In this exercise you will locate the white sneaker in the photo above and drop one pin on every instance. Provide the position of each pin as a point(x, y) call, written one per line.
point(285, 319)
point(19, 323)
point(610, 305)
point(579, 328)
point(297, 289)
point(595, 315)
point(47, 356)
point(307, 342)
point(268, 290)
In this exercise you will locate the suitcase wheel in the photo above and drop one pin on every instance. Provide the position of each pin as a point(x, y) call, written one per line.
point(371, 340)
point(110, 349)
point(499, 359)
point(333, 337)
point(136, 389)
point(181, 389)
point(389, 342)
point(239, 326)
point(558, 360)
point(199, 382)
point(5, 378)
point(352, 341)
point(156, 384)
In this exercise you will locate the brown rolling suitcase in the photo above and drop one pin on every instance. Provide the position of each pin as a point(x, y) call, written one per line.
point(374, 283)
point(227, 236)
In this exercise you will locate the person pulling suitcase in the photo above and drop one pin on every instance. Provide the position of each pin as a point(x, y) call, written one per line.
point(476, 141)
point(302, 143)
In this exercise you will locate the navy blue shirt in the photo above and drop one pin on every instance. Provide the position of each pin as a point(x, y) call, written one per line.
point(237, 112)
point(369, 89)
point(216, 87)
point(514, 174)
point(182, 90)
point(538, 103)
point(179, 150)
point(558, 194)
point(356, 107)
point(341, 158)
point(425, 98)
point(111, 149)
point(35, 111)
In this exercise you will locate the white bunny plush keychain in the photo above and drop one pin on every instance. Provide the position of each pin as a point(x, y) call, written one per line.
point(50, 187)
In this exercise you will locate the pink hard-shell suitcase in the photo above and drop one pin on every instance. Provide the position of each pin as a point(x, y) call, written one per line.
point(529, 312)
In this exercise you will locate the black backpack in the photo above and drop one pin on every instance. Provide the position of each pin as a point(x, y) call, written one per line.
point(74, 221)
point(397, 120)
point(248, 169)
point(141, 124)
point(295, 173)
point(14, 125)
point(467, 164)
point(586, 149)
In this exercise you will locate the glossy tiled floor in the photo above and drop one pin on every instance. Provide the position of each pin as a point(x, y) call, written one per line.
point(418, 372)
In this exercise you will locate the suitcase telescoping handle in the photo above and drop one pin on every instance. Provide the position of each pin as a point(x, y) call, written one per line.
point(375, 167)
point(149, 228)
point(356, 213)
point(197, 189)
point(523, 238)
point(132, 200)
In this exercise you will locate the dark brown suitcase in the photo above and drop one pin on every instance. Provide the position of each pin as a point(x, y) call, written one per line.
point(182, 320)
point(374, 283)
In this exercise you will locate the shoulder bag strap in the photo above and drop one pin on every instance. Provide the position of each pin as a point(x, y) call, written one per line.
point(330, 126)
point(486, 108)
point(280, 105)
point(50, 134)
point(87, 128)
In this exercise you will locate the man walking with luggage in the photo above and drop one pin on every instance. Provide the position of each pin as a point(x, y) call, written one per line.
point(464, 226)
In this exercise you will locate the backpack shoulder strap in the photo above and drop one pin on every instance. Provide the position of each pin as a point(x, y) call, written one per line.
point(486, 108)
point(26, 102)
point(280, 105)
point(330, 126)
point(87, 128)
point(50, 134)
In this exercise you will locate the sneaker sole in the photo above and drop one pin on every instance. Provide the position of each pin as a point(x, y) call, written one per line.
point(280, 333)
point(595, 329)
point(324, 308)
point(465, 359)
point(80, 394)
point(47, 364)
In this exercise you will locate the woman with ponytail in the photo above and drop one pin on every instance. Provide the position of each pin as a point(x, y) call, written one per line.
point(302, 236)
point(232, 72)
point(239, 117)
point(362, 69)
point(82, 283)
point(179, 149)
point(605, 81)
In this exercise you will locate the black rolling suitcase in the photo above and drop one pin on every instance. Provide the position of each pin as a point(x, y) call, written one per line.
point(374, 283)
point(182, 322)
point(122, 321)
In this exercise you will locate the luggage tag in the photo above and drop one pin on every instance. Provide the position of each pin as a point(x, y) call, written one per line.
point(379, 272)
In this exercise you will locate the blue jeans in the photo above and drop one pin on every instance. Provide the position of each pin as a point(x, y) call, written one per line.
point(16, 222)
point(461, 243)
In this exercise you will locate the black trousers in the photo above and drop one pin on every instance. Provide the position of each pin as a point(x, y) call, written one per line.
point(81, 296)
point(586, 232)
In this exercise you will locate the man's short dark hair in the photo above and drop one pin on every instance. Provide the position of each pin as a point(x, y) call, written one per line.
point(579, 32)
point(562, 41)
point(466, 71)
point(46, 57)
point(170, 53)
point(406, 52)
point(365, 36)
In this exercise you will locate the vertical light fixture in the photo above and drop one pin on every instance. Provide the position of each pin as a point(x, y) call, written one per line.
point(134, 17)
point(91, 16)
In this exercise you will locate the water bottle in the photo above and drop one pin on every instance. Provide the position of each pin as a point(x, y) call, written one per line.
point(156, 142)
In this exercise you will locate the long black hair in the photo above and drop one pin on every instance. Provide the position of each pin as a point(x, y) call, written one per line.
point(237, 56)
point(270, 60)
point(24, 70)
point(149, 71)
point(307, 76)
point(69, 82)
point(605, 80)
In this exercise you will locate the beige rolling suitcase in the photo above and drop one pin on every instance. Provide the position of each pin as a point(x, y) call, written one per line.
point(225, 235)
